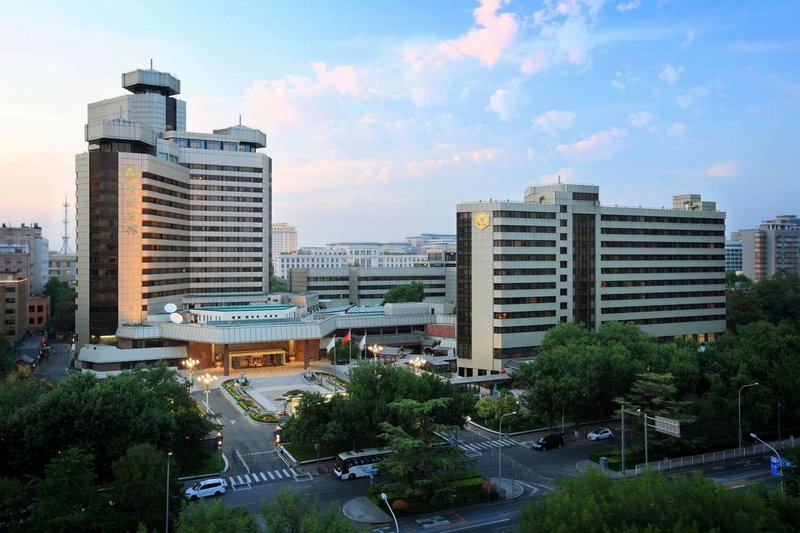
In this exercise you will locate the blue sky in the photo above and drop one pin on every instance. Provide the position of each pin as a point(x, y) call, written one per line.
point(382, 116)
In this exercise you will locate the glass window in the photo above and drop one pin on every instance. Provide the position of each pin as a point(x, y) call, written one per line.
point(229, 147)
point(196, 143)
point(213, 145)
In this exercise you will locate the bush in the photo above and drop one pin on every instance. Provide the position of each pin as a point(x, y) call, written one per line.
point(267, 417)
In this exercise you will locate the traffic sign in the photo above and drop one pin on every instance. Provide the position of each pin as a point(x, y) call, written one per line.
point(667, 426)
point(775, 469)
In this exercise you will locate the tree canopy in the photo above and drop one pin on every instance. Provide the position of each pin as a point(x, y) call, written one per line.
point(413, 292)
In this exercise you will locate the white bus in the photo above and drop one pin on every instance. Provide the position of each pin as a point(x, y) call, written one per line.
point(360, 463)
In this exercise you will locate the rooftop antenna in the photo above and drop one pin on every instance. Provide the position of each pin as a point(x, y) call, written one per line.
point(65, 250)
point(240, 119)
point(559, 179)
point(151, 63)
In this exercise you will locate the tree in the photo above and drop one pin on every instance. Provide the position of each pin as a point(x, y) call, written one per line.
point(413, 292)
point(67, 499)
point(62, 305)
point(206, 516)
point(277, 285)
point(139, 487)
point(288, 513)
point(652, 503)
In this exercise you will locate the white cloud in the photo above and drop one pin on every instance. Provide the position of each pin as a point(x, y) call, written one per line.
point(480, 156)
point(641, 119)
point(690, 37)
point(676, 129)
point(384, 175)
point(564, 175)
point(486, 41)
point(670, 74)
point(628, 6)
point(553, 122)
point(506, 103)
point(618, 85)
point(724, 169)
point(539, 61)
point(600, 145)
point(691, 97)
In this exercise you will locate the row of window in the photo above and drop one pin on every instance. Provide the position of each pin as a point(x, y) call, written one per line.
point(504, 228)
point(676, 319)
point(521, 329)
point(202, 144)
point(650, 219)
point(660, 270)
point(518, 243)
point(211, 198)
point(661, 282)
point(523, 286)
point(651, 231)
point(226, 179)
point(657, 308)
point(226, 188)
point(524, 214)
point(659, 295)
point(226, 168)
point(652, 244)
point(503, 315)
point(664, 257)
point(525, 300)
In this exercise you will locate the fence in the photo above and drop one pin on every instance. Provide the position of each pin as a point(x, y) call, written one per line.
point(704, 458)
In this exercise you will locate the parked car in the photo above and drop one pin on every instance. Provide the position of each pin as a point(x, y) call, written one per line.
point(600, 434)
point(205, 488)
point(548, 442)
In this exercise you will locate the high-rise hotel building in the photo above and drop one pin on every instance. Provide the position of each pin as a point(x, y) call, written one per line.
point(163, 212)
point(561, 256)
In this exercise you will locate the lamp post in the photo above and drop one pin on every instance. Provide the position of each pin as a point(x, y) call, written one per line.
point(385, 498)
point(417, 363)
point(190, 364)
point(206, 380)
point(166, 519)
point(376, 349)
point(622, 410)
point(500, 448)
point(740, 410)
point(780, 462)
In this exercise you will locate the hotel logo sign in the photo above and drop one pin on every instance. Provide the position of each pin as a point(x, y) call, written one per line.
point(482, 220)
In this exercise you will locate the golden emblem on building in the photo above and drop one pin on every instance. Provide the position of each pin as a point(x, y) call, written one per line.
point(482, 220)
point(130, 173)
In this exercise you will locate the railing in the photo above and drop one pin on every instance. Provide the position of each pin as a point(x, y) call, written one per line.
point(704, 458)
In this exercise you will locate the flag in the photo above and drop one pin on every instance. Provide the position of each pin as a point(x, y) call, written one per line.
point(332, 344)
point(363, 343)
point(346, 338)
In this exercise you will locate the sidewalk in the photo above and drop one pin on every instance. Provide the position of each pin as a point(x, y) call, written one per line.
point(586, 464)
point(363, 510)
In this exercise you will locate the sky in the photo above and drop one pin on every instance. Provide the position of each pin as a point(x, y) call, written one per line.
point(382, 116)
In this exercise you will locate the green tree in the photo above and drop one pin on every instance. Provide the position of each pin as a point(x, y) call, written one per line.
point(206, 516)
point(288, 513)
point(139, 487)
point(66, 499)
point(14, 500)
point(277, 285)
point(62, 305)
point(309, 423)
point(418, 469)
point(413, 292)
point(651, 503)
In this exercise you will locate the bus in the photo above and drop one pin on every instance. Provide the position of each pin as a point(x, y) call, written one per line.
point(360, 463)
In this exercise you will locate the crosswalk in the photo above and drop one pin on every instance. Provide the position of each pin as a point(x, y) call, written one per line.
point(262, 477)
point(486, 445)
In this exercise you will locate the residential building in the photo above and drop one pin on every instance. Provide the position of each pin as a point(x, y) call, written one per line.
point(14, 292)
point(284, 241)
point(24, 251)
point(561, 256)
point(63, 267)
point(368, 286)
point(733, 256)
point(38, 312)
point(161, 211)
point(772, 248)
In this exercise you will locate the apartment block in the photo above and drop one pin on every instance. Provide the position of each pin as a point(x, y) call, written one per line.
point(161, 211)
point(24, 251)
point(284, 241)
point(561, 256)
point(772, 248)
point(13, 299)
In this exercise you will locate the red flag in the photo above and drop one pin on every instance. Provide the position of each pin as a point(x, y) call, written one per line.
point(346, 338)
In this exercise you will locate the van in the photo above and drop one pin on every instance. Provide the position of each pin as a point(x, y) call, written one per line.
point(205, 488)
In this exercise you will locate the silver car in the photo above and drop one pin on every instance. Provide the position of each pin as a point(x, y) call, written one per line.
point(205, 488)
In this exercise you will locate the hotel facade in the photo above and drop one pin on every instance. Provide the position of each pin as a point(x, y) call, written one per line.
point(561, 256)
point(162, 212)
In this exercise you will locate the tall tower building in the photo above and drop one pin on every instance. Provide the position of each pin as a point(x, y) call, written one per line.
point(771, 249)
point(284, 240)
point(561, 256)
point(163, 212)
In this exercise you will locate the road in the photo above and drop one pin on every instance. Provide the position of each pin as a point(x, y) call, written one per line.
point(55, 365)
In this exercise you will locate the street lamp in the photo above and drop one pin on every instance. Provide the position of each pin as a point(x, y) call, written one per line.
point(740, 410)
point(166, 520)
point(386, 499)
point(376, 349)
point(190, 364)
point(780, 463)
point(417, 363)
point(500, 448)
point(206, 380)
point(623, 434)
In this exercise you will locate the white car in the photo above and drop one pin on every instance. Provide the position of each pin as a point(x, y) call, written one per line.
point(205, 488)
point(600, 434)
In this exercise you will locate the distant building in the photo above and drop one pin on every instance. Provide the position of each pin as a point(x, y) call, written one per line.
point(284, 241)
point(24, 251)
point(162, 212)
point(368, 286)
point(733, 256)
point(772, 248)
point(14, 291)
point(38, 312)
point(561, 256)
point(64, 268)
